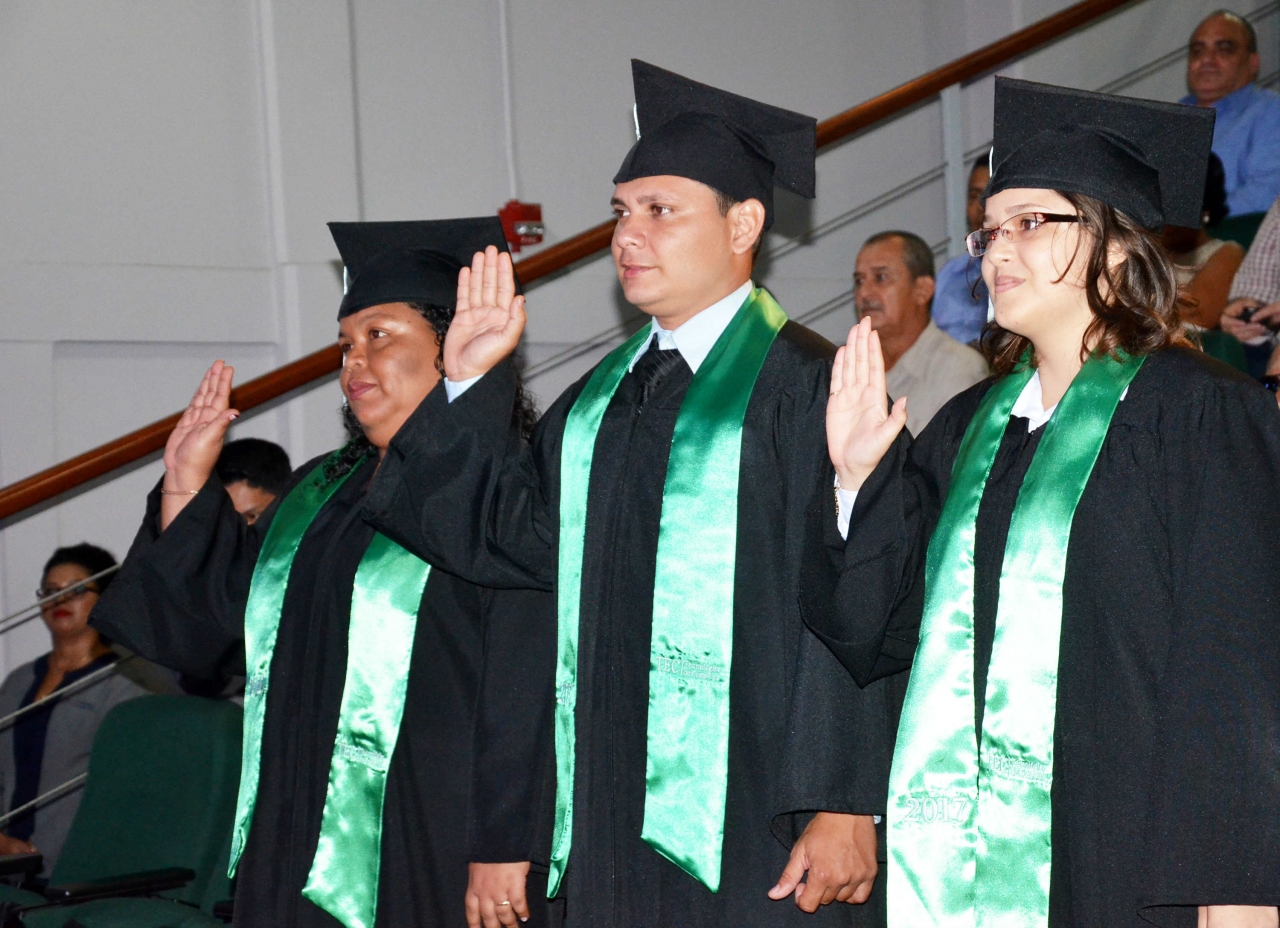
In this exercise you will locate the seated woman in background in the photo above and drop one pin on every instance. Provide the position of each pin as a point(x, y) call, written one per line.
point(1204, 266)
point(49, 746)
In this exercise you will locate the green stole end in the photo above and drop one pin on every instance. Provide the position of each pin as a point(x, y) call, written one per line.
point(969, 830)
point(384, 613)
point(692, 640)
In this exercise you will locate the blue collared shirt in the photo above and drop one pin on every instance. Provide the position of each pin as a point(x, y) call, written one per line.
point(1247, 139)
point(960, 308)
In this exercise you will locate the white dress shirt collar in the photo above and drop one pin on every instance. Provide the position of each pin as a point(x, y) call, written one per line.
point(696, 337)
point(1030, 404)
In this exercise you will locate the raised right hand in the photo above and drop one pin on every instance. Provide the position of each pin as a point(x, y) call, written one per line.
point(196, 441)
point(859, 428)
point(489, 318)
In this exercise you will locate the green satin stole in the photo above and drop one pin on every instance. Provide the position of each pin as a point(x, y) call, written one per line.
point(969, 830)
point(692, 641)
point(384, 613)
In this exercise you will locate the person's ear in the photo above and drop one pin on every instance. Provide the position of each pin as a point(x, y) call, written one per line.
point(1115, 256)
point(746, 224)
point(1255, 65)
point(923, 289)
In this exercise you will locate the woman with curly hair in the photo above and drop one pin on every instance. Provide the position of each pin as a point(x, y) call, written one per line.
point(1077, 557)
point(394, 726)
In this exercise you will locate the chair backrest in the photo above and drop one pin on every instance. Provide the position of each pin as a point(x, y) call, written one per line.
point(161, 792)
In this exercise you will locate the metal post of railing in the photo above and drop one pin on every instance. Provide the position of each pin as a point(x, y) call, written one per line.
point(957, 176)
point(27, 613)
point(60, 790)
point(83, 683)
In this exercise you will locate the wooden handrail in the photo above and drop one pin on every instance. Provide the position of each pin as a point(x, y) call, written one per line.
point(972, 65)
point(44, 486)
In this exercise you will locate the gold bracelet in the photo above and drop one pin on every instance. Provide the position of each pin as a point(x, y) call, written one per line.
point(164, 492)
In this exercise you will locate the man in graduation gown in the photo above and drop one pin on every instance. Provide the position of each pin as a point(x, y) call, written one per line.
point(339, 830)
point(1162, 716)
point(709, 749)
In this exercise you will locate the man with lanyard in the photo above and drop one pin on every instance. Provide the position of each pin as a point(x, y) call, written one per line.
point(667, 498)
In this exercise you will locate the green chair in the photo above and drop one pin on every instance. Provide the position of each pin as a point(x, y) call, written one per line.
point(1241, 229)
point(1218, 344)
point(155, 822)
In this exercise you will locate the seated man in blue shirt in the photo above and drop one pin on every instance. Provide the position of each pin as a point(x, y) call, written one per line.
point(960, 304)
point(1222, 64)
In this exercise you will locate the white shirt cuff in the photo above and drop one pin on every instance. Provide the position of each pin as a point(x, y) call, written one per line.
point(846, 498)
point(454, 389)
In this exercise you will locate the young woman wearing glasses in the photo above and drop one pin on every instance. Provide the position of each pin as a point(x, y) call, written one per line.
point(1077, 557)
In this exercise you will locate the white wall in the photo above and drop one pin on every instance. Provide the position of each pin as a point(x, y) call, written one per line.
point(168, 166)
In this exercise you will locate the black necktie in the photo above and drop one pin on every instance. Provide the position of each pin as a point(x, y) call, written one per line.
point(652, 366)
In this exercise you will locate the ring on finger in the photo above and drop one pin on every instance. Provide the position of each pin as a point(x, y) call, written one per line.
point(504, 903)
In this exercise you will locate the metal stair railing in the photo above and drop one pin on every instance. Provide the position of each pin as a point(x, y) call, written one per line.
point(47, 487)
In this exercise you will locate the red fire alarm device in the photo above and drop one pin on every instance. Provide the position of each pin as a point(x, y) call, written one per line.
point(522, 223)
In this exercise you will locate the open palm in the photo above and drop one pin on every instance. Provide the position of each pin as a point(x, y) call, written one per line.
point(196, 441)
point(489, 318)
point(860, 428)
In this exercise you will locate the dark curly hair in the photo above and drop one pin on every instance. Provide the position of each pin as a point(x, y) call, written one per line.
point(1138, 314)
point(524, 415)
point(90, 557)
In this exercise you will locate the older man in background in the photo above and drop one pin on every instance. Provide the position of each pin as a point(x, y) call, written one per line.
point(893, 285)
point(1222, 65)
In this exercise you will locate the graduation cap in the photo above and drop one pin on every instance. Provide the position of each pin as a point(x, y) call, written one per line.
point(1146, 159)
point(730, 143)
point(410, 262)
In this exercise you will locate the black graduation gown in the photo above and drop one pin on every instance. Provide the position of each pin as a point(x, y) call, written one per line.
point(802, 737)
point(466, 777)
point(1166, 789)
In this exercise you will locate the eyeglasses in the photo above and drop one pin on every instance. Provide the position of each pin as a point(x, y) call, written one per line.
point(65, 593)
point(1015, 229)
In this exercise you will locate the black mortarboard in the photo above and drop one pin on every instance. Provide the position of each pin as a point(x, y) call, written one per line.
point(410, 262)
point(1146, 159)
point(737, 146)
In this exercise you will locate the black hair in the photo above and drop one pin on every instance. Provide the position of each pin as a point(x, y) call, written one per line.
point(981, 163)
point(259, 463)
point(90, 557)
point(725, 202)
point(524, 415)
point(1251, 34)
point(916, 253)
point(1215, 192)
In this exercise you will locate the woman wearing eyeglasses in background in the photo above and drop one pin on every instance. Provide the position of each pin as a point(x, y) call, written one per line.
point(49, 746)
point(1079, 559)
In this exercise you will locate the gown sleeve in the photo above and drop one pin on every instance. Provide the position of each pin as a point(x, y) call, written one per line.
point(840, 733)
point(513, 792)
point(1215, 802)
point(864, 596)
point(461, 490)
point(180, 594)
